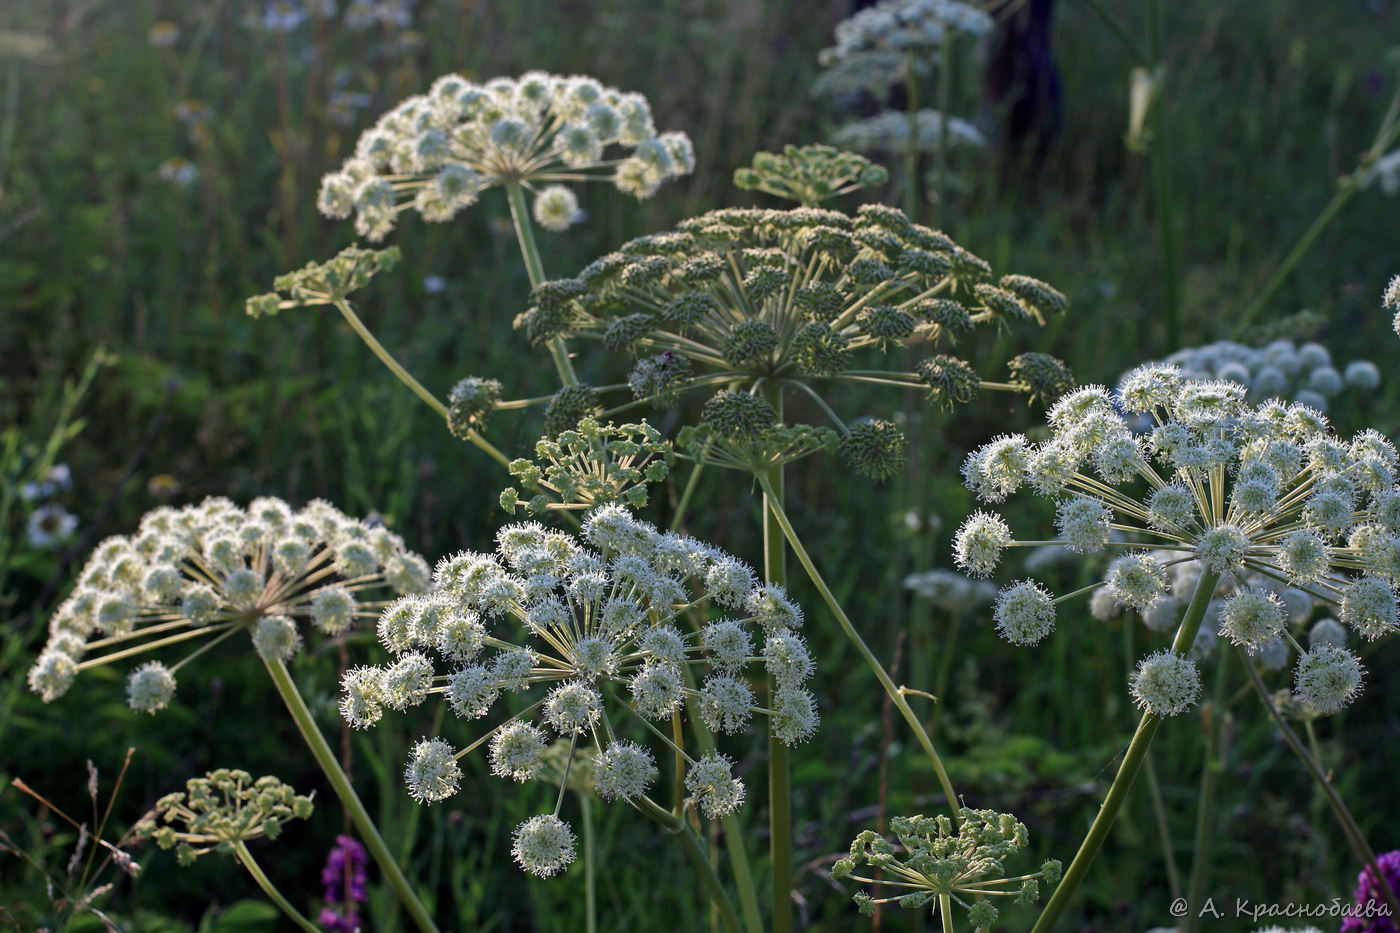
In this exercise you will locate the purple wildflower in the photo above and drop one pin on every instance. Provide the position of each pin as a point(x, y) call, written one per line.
point(344, 878)
point(1371, 913)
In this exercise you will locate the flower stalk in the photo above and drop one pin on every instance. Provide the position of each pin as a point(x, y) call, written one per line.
point(340, 783)
point(1127, 772)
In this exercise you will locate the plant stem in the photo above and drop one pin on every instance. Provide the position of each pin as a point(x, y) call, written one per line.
point(1127, 772)
point(894, 693)
point(1217, 750)
point(1355, 838)
point(385, 357)
point(270, 889)
point(525, 235)
point(779, 776)
point(1385, 135)
point(340, 783)
point(590, 867)
point(677, 827)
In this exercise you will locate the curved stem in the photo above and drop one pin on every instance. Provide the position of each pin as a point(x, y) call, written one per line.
point(385, 357)
point(1355, 838)
point(894, 693)
point(340, 783)
point(676, 826)
point(779, 768)
point(1127, 771)
point(270, 889)
point(525, 235)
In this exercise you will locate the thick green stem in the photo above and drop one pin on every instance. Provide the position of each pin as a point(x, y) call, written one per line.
point(698, 857)
point(1127, 772)
point(270, 889)
point(1217, 749)
point(779, 770)
point(385, 357)
point(340, 783)
point(895, 694)
point(1355, 838)
point(525, 235)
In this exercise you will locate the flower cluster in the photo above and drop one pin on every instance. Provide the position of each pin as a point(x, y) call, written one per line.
point(435, 152)
point(589, 466)
point(946, 860)
point(211, 570)
point(810, 175)
point(888, 131)
point(345, 881)
point(1237, 491)
point(323, 283)
point(1282, 369)
point(221, 809)
point(585, 622)
point(883, 44)
point(791, 296)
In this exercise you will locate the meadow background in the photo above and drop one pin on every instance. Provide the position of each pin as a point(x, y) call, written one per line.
point(147, 187)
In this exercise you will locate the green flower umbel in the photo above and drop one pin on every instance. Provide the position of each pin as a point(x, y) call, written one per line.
point(942, 863)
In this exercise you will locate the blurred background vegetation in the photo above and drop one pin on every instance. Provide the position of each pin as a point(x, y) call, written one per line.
point(159, 163)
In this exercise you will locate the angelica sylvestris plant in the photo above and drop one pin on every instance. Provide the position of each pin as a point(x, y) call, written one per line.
point(943, 863)
point(893, 41)
point(324, 283)
point(1235, 489)
point(809, 175)
point(434, 153)
point(903, 42)
point(597, 639)
point(211, 571)
point(760, 300)
point(221, 812)
point(1238, 490)
point(589, 466)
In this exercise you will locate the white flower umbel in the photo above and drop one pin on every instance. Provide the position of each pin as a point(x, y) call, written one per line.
point(208, 571)
point(434, 153)
point(590, 631)
point(1265, 498)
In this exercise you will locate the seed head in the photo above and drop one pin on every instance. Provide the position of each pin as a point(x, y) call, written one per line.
point(1326, 679)
point(432, 773)
point(712, 784)
point(150, 687)
point(543, 845)
point(623, 770)
point(1025, 613)
point(517, 750)
point(1166, 684)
